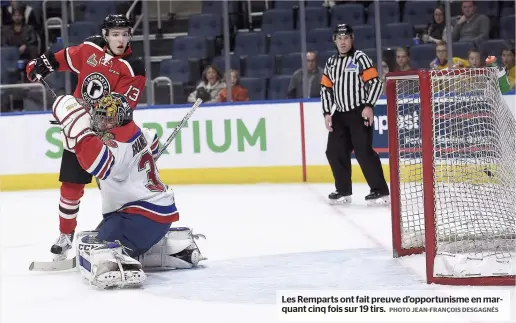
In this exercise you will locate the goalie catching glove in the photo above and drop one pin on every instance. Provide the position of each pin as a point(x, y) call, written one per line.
point(75, 120)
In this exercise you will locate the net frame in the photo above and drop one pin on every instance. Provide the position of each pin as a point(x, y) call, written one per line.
point(427, 130)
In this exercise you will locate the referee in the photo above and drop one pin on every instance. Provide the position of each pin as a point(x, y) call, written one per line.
point(350, 85)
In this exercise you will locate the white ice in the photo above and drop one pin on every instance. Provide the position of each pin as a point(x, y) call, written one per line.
point(260, 239)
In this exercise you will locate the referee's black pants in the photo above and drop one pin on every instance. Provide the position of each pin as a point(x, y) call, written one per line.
point(349, 133)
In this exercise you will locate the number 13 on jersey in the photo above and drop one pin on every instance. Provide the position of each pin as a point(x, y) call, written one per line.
point(132, 93)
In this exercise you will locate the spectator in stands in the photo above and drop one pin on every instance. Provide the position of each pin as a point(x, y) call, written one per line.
point(474, 58)
point(295, 88)
point(209, 87)
point(26, 11)
point(471, 26)
point(436, 31)
point(385, 70)
point(508, 62)
point(22, 36)
point(441, 60)
point(238, 92)
point(402, 60)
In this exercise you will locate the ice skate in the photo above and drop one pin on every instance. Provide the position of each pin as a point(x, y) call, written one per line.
point(376, 198)
point(60, 248)
point(337, 198)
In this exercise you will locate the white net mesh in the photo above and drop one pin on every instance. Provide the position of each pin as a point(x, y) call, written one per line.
point(474, 177)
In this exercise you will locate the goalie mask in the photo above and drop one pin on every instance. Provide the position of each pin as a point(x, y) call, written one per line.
point(111, 111)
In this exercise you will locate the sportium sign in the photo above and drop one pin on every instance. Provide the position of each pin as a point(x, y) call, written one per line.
point(220, 136)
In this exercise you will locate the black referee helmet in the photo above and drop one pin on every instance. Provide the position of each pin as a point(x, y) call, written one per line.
point(342, 29)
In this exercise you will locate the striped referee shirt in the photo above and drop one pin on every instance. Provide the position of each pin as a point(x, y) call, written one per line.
point(349, 81)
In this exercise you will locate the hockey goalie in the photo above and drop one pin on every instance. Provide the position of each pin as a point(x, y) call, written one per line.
point(138, 208)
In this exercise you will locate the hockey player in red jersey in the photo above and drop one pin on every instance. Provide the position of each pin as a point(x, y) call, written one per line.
point(104, 64)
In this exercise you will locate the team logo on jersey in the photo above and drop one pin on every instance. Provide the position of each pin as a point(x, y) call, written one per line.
point(92, 60)
point(95, 86)
point(352, 67)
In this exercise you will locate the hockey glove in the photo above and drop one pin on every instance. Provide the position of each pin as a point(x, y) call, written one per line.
point(75, 120)
point(41, 67)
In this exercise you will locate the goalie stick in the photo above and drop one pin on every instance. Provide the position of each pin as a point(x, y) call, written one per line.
point(72, 263)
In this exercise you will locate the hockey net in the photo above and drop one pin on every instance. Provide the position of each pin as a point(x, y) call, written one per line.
point(452, 148)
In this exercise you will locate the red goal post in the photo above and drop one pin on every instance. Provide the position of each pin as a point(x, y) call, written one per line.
point(452, 153)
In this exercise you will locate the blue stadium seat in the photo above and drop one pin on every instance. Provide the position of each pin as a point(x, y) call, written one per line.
point(261, 66)
point(96, 11)
point(423, 53)
point(207, 25)
point(9, 56)
point(290, 63)
point(352, 14)
point(220, 63)
point(364, 36)
point(278, 87)
point(489, 8)
point(419, 12)
point(390, 13)
point(175, 69)
point(507, 26)
point(319, 39)
point(216, 7)
point(256, 87)
point(250, 43)
point(371, 52)
point(314, 3)
point(284, 42)
point(315, 18)
point(322, 57)
point(190, 47)
point(80, 30)
point(461, 49)
point(285, 4)
point(56, 81)
point(277, 19)
point(397, 35)
point(493, 47)
point(507, 11)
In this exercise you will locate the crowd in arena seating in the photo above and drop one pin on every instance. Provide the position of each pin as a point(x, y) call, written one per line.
point(266, 61)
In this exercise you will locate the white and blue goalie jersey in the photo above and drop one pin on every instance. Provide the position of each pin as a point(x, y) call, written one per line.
point(123, 161)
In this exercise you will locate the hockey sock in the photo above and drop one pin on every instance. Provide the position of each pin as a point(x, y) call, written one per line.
point(69, 206)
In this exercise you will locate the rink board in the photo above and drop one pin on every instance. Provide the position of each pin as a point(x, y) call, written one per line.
point(252, 142)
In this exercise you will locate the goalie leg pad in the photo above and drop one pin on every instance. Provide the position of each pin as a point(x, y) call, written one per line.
point(135, 232)
point(105, 264)
point(177, 250)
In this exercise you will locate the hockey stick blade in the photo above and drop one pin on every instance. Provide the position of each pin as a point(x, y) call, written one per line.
point(53, 265)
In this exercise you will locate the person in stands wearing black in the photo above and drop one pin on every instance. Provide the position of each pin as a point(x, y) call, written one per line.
point(350, 85)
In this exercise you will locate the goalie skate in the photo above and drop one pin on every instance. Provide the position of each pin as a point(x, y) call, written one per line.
point(60, 248)
point(105, 265)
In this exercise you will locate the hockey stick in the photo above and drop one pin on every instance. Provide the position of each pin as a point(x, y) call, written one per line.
point(72, 263)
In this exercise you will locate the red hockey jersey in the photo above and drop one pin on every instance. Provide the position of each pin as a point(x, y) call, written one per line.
point(100, 73)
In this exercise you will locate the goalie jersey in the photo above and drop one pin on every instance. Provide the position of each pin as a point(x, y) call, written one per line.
point(123, 161)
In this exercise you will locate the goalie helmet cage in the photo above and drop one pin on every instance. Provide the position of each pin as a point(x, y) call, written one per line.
point(452, 152)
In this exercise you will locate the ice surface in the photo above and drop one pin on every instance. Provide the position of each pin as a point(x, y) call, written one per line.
point(260, 238)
